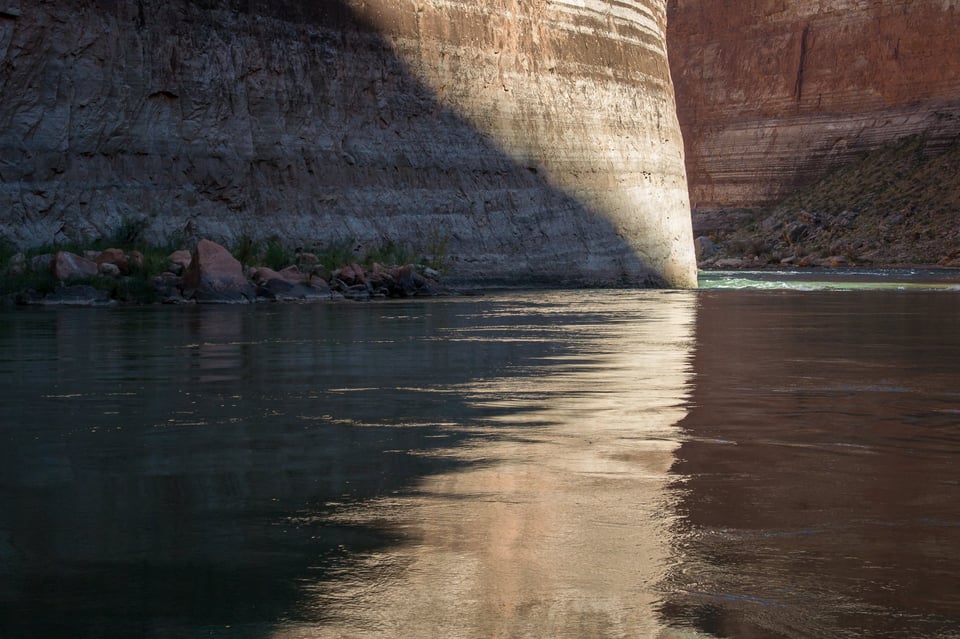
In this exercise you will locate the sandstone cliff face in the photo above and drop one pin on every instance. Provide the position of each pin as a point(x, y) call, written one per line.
point(772, 94)
point(534, 139)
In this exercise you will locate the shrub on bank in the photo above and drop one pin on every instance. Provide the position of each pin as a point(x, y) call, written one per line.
point(151, 274)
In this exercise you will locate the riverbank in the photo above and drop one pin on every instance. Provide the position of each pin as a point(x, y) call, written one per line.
point(898, 206)
point(209, 274)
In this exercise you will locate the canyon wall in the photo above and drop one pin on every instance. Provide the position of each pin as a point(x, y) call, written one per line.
point(533, 141)
point(773, 94)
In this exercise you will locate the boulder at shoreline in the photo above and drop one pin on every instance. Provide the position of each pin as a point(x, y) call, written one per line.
point(216, 276)
point(209, 274)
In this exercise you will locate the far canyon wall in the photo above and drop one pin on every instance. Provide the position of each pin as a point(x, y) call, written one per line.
point(523, 140)
point(774, 93)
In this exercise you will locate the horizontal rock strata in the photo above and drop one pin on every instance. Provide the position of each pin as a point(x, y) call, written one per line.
point(772, 95)
point(535, 138)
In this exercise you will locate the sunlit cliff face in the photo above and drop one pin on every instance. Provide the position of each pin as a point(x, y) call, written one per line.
point(576, 92)
point(558, 524)
point(775, 94)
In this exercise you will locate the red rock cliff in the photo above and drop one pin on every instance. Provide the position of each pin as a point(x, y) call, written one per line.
point(773, 93)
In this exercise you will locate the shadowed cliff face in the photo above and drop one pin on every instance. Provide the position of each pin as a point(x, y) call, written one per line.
point(773, 94)
point(533, 141)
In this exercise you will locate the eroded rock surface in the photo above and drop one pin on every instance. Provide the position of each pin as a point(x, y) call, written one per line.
point(216, 276)
point(70, 266)
point(773, 95)
point(503, 137)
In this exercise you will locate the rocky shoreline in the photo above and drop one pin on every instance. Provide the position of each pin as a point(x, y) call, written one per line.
point(209, 274)
point(785, 238)
point(896, 206)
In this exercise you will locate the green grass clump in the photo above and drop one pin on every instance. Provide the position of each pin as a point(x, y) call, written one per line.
point(246, 250)
point(435, 251)
point(130, 234)
point(7, 251)
point(277, 256)
point(337, 254)
point(154, 263)
point(389, 253)
point(273, 254)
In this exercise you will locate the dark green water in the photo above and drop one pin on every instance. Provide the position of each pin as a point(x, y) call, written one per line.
point(721, 463)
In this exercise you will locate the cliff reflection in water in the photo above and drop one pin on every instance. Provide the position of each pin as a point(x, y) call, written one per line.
point(559, 523)
point(542, 464)
point(492, 467)
point(818, 473)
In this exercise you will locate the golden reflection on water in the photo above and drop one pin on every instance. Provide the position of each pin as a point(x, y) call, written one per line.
point(559, 524)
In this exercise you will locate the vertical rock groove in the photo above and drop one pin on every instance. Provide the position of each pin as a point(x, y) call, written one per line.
point(798, 91)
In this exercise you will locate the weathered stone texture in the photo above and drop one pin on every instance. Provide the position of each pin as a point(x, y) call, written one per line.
point(772, 94)
point(541, 134)
point(214, 275)
point(68, 266)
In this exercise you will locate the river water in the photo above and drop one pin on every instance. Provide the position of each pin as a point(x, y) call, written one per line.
point(731, 462)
